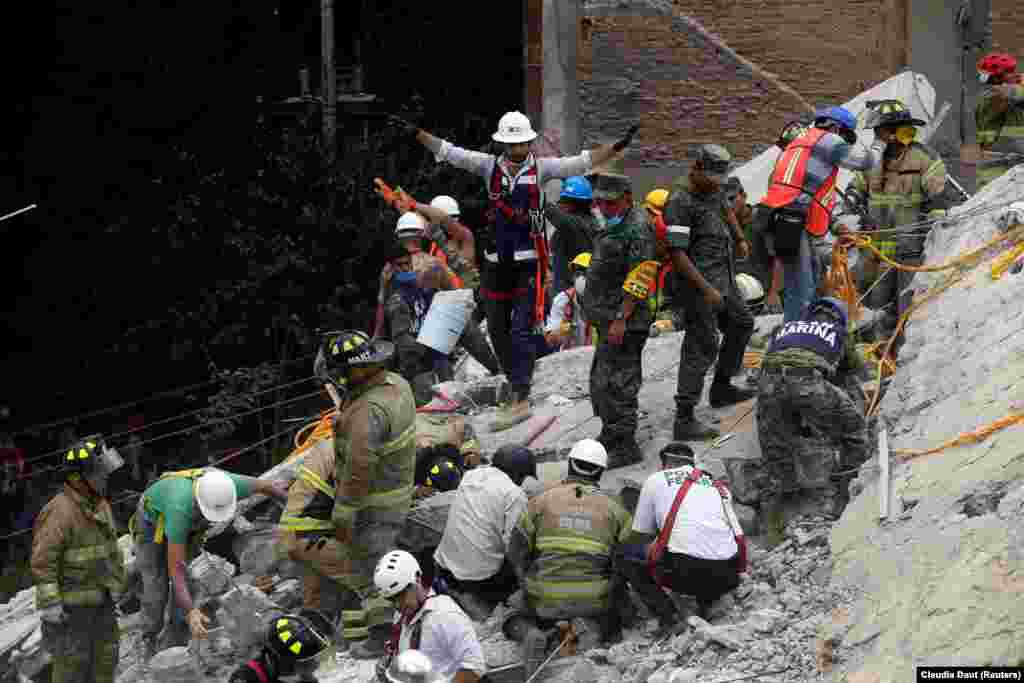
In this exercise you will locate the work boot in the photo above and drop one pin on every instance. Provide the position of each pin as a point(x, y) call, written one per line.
point(727, 394)
point(774, 521)
point(688, 428)
point(511, 414)
point(534, 650)
point(373, 646)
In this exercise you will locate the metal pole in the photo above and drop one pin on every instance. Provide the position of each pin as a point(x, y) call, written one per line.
point(329, 81)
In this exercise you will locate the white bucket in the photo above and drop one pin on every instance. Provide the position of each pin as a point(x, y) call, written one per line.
point(445, 321)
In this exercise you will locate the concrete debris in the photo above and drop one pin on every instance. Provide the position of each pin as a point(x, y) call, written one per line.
point(174, 665)
point(244, 612)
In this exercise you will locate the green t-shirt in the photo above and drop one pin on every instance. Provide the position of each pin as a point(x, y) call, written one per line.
point(172, 497)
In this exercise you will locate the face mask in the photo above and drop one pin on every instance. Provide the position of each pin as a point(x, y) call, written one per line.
point(406, 277)
point(580, 283)
point(612, 222)
point(905, 134)
point(984, 76)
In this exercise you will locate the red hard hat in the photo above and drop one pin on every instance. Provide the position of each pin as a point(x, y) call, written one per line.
point(998, 64)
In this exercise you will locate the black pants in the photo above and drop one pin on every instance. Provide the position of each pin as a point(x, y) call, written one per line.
point(493, 590)
point(705, 580)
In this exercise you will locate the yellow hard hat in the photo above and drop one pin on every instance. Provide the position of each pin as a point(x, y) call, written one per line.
point(582, 260)
point(656, 200)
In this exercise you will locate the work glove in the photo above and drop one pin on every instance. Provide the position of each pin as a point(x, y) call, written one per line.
point(280, 488)
point(626, 139)
point(54, 615)
point(407, 128)
point(197, 622)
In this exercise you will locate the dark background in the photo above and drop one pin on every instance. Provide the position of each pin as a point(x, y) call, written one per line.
point(167, 242)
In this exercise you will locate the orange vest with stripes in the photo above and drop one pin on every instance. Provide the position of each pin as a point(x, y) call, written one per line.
point(787, 182)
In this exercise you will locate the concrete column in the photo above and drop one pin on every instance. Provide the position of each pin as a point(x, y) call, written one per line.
point(533, 59)
point(561, 97)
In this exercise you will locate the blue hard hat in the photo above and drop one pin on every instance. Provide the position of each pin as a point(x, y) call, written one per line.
point(841, 116)
point(837, 305)
point(577, 187)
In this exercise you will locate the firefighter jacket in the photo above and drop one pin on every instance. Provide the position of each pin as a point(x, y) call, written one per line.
point(75, 557)
point(375, 454)
point(618, 250)
point(563, 546)
point(901, 191)
point(311, 496)
point(1000, 128)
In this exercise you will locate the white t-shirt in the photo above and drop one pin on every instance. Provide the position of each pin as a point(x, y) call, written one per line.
point(557, 316)
point(702, 528)
point(447, 638)
point(480, 522)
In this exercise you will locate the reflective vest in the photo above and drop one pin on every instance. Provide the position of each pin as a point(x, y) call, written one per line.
point(75, 556)
point(657, 298)
point(787, 183)
point(573, 530)
point(438, 253)
point(311, 497)
point(514, 213)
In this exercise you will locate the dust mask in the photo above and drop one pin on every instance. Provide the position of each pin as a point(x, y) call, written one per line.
point(580, 284)
point(905, 134)
point(984, 76)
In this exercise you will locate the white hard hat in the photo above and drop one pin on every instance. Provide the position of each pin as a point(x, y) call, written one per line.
point(446, 204)
point(395, 572)
point(412, 666)
point(750, 287)
point(216, 495)
point(514, 127)
point(590, 451)
point(410, 224)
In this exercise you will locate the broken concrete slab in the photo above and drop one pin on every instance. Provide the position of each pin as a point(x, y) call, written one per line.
point(174, 665)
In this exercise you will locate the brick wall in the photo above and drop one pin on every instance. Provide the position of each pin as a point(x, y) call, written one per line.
point(1008, 28)
point(641, 62)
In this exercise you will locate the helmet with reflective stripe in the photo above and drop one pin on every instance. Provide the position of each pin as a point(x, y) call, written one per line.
point(997, 64)
point(577, 187)
point(591, 452)
point(656, 200)
point(446, 204)
point(837, 306)
point(517, 461)
point(513, 128)
point(344, 350)
point(443, 475)
point(890, 113)
point(216, 496)
point(296, 641)
point(92, 456)
point(395, 572)
point(410, 224)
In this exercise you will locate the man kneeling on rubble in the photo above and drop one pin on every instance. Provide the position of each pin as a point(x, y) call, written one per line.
point(699, 549)
point(433, 624)
point(562, 550)
point(441, 439)
point(800, 372)
point(471, 558)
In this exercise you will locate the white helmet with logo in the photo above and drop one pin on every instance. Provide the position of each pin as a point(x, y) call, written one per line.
point(752, 290)
point(216, 495)
point(410, 224)
point(412, 666)
point(514, 127)
point(591, 452)
point(446, 204)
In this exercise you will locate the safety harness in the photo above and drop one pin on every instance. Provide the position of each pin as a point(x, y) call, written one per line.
point(158, 536)
point(658, 547)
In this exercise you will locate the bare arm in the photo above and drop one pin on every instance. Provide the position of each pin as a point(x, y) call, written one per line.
point(459, 233)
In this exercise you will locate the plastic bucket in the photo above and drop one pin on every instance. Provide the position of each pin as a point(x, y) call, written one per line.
point(445, 321)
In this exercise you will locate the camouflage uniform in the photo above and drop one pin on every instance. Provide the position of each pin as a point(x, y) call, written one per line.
point(375, 454)
point(697, 224)
point(76, 562)
point(796, 391)
point(616, 372)
point(901, 192)
point(574, 235)
point(1000, 122)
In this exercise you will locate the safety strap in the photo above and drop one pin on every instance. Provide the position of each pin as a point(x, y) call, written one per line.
point(258, 668)
point(730, 515)
point(654, 557)
point(313, 479)
point(193, 474)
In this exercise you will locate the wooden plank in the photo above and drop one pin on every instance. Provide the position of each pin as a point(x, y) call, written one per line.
point(883, 476)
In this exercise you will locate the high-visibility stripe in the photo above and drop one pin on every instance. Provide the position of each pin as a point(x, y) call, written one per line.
point(313, 479)
point(306, 524)
point(794, 161)
point(382, 499)
point(85, 597)
point(355, 633)
point(403, 440)
point(47, 593)
point(88, 554)
point(567, 590)
point(520, 255)
point(934, 168)
point(570, 544)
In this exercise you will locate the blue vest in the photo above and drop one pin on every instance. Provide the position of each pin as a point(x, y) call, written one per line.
point(513, 212)
point(825, 339)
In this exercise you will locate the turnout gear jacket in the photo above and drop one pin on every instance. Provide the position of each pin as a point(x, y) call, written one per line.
point(563, 548)
point(75, 557)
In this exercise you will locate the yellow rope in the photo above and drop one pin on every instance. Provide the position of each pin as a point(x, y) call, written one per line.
point(964, 438)
point(313, 432)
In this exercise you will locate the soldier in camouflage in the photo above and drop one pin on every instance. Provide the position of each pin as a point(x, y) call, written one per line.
point(619, 313)
point(801, 373)
point(703, 235)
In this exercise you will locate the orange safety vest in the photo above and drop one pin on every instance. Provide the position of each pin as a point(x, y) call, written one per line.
point(787, 183)
point(439, 254)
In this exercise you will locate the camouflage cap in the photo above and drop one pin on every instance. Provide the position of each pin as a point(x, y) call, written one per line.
point(716, 159)
point(609, 180)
